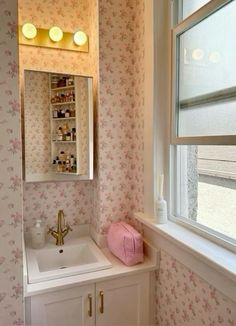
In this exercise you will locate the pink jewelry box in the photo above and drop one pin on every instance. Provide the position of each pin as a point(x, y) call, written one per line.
point(125, 243)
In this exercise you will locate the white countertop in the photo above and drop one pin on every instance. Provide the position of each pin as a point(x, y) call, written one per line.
point(151, 263)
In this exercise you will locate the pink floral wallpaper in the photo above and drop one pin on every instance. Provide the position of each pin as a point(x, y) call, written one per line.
point(43, 200)
point(11, 278)
point(37, 122)
point(76, 198)
point(119, 187)
point(184, 299)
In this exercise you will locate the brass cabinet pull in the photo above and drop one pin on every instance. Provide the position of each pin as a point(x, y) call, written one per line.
point(90, 310)
point(102, 302)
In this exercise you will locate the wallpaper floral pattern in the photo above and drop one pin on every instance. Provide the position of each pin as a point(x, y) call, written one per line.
point(11, 278)
point(184, 299)
point(76, 198)
point(120, 111)
point(37, 122)
point(45, 199)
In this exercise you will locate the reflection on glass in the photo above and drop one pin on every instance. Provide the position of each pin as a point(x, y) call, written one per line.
point(207, 75)
point(57, 126)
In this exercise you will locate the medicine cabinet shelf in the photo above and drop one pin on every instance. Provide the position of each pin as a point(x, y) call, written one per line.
point(66, 155)
point(62, 103)
point(64, 142)
point(66, 173)
point(58, 119)
point(64, 88)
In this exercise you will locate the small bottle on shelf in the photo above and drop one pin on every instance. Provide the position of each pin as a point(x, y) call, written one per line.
point(65, 128)
point(68, 164)
point(54, 165)
point(67, 113)
point(63, 112)
point(70, 81)
point(54, 81)
point(57, 98)
point(62, 156)
point(70, 98)
point(68, 136)
point(59, 167)
point(59, 134)
point(63, 166)
point(72, 112)
point(75, 165)
point(72, 162)
point(55, 113)
point(73, 134)
point(67, 97)
point(63, 98)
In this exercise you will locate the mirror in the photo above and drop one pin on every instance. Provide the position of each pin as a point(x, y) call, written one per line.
point(58, 127)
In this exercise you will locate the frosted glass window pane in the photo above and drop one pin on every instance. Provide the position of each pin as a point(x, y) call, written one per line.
point(207, 64)
point(190, 6)
point(211, 120)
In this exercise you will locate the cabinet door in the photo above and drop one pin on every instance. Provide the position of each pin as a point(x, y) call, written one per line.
point(123, 301)
point(71, 307)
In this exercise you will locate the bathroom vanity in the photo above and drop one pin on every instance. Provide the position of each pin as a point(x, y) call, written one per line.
point(112, 294)
point(120, 301)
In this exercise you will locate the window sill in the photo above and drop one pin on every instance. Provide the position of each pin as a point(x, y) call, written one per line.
point(215, 256)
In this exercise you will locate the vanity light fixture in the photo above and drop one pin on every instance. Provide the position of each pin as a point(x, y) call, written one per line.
point(53, 38)
point(80, 38)
point(29, 31)
point(55, 34)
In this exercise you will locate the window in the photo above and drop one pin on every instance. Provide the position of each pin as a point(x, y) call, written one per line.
point(188, 7)
point(204, 117)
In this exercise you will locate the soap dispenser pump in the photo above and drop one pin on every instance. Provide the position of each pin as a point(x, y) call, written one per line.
point(38, 235)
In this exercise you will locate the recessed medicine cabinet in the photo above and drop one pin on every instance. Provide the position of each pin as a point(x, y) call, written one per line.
point(58, 127)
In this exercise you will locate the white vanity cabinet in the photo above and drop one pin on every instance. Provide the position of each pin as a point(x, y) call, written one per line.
point(116, 302)
point(70, 307)
point(123, 302)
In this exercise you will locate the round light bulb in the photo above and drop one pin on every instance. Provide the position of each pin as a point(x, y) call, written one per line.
point(80, 38)
point(214, 57)
point(55, 34)
point(198, 54)
point(29, 31)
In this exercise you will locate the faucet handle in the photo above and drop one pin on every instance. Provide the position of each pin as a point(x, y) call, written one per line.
point(68, 227)
point(50, 230)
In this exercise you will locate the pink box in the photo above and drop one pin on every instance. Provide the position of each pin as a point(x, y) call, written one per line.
point(125, 243)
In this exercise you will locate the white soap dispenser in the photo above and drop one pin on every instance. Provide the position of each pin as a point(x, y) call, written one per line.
point(38, 235)
point(161, 205)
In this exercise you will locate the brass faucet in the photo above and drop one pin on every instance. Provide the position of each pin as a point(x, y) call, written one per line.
point(62, 229)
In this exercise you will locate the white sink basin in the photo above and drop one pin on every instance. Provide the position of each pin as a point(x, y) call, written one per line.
point(77, 256)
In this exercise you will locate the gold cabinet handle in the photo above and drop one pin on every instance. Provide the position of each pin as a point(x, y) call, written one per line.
point(101, 293)
point(90, 310)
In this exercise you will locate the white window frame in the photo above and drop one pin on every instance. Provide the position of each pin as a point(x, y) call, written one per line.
point(186, 24)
